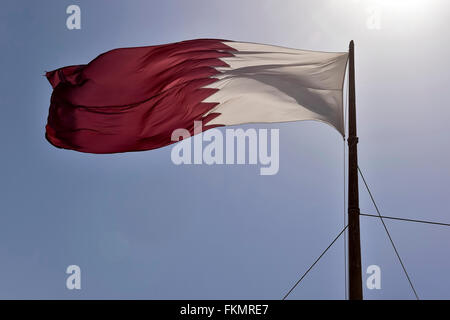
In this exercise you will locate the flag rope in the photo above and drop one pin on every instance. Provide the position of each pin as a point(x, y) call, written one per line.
point(312, 266)
point(388, 234)
point(405, 219)
point(345, 223)
point(345, 106)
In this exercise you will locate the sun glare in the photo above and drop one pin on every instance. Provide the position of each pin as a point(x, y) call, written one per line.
point(401, 4)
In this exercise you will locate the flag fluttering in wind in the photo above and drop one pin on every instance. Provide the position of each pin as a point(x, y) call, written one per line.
point(132, 99)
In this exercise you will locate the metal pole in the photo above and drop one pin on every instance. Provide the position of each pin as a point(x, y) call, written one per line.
point(354, 245)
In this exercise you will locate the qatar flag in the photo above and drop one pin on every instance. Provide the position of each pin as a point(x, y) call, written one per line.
point(132, 99)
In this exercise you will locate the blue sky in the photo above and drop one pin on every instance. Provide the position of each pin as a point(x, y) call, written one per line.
point(141, 227)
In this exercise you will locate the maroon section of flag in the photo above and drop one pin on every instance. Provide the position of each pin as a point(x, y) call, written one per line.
point(132, 99)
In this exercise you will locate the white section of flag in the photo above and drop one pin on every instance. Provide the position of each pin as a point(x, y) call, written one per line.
point(267, 83)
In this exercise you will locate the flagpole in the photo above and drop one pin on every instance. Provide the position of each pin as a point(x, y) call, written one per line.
point(354, 244)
